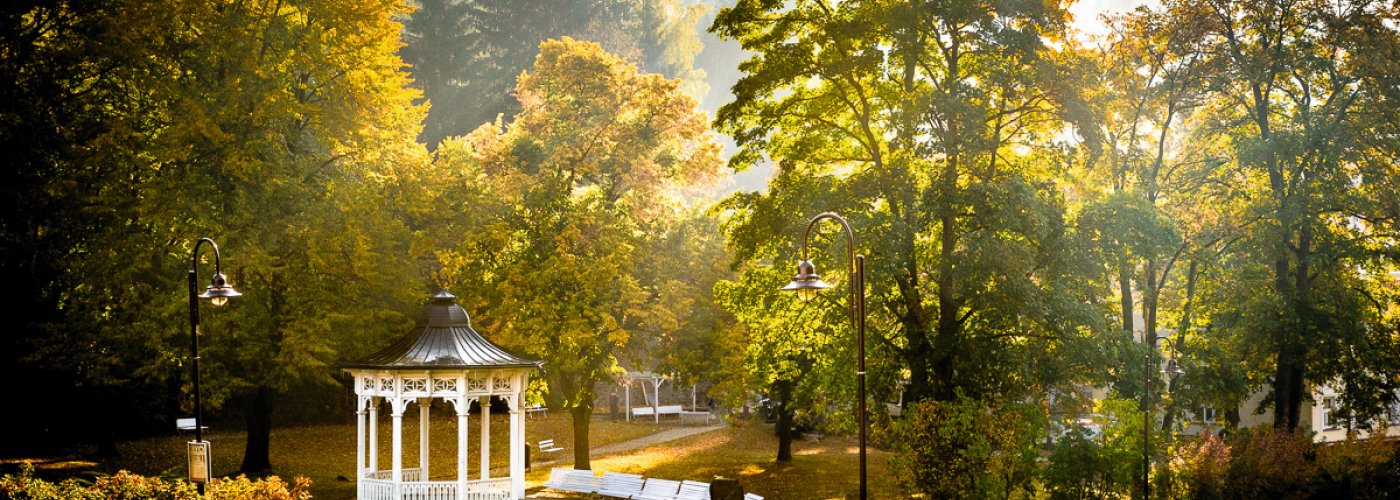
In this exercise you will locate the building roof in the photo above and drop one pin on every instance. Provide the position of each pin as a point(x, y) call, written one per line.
point(442, 339)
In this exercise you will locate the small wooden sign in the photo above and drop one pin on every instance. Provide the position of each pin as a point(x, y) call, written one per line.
point(199, 461)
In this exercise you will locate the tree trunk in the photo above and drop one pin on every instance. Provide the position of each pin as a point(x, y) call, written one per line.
point(945, 339)
point(1125, 292)
point(257, 458)
point(783, 427)
point(582, 416)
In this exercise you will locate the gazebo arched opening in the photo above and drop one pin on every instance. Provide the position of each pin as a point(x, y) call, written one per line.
point(441, 359)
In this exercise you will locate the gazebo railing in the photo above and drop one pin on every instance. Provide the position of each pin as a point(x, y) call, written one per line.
point(490, 489)
point(384, 475)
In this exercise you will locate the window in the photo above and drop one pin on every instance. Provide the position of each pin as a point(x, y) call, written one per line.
point(1207, 414)
point(1330, 417)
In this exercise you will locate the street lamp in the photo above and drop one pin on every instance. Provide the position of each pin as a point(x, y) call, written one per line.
point(1173, 370)
point(218, 294)
point(807, 283)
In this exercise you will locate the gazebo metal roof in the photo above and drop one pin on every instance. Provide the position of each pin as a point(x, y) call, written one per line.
point(443, 338)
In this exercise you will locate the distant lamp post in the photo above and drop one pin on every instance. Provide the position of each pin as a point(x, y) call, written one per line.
point(1173, 370)
point(218, 292)
point(807, 283)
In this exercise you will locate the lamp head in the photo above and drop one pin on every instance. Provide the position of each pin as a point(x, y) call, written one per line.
point(219, 291)
point(807, 282)
point(1173, 370)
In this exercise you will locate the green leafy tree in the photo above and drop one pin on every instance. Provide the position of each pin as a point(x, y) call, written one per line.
point(467, 54)
point(928, 127)
point(281, 130)
point(1292, 145)
point(568, 205)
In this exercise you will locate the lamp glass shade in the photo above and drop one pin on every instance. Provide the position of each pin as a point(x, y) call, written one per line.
point(1173, 369)
point(219, 291)
point(807, 282)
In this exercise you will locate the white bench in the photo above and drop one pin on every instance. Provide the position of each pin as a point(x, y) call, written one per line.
point(658, 489)
point(751, 496)
point(693, 490)
point(537, 409)
point(657, 411)
point(575, 480)
point(697, 414)
point(620, 485)
point(187, 424)
point(548, 446)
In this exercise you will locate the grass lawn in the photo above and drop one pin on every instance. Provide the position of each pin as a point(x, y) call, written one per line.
point(326, 453)
point(819, 469)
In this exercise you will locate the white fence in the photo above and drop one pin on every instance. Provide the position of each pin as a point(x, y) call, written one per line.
point(490, 489)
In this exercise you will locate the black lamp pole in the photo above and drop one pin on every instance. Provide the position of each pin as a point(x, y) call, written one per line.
point(218, 294)
point(807, 283)
point(1172, 370)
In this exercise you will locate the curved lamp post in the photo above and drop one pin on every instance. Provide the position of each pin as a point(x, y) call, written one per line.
point(1173, 370)
point(807, 283)
point(218, 292)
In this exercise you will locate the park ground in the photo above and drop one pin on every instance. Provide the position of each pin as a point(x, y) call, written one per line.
point(821, 468)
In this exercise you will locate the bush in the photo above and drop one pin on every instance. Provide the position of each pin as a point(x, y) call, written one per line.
point(1271, 464)
point(1083, 467)
point(968, 448)
point(1359, 468)
point(127, 486)
point(1198, 468)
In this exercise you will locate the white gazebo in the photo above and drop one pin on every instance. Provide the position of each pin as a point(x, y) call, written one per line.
point(441, 358)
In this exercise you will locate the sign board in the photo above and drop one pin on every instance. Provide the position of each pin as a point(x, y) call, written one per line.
point(199, 461)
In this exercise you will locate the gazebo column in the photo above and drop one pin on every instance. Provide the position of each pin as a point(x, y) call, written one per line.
point(485, 438)
point(517, 447)
point(424, 405)
point(373, 434)
point(396, 476)
point(360, 446)
point(464, 407)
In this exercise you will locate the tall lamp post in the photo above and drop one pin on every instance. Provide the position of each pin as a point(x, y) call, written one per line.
point(808, 282)
point(1172, 370)
point(218, 294)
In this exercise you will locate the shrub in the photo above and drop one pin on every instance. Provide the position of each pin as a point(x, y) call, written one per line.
point(1083, 467)
point(967, 448)
point(1359, 468)
point(1198, 468)
point(1271, 464)
point(127, 486)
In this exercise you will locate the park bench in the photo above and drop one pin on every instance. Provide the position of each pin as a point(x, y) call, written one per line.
point(751, 496)
point(658, 489)
point(697, 414)
point(657, 411)
point(536, 409)
point(575, 480)
point(187, 424)
point(548, 446)
point(693, 490)
point(620, 485)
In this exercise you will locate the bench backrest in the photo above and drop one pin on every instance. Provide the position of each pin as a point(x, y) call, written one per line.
point(184, 423)
point(621, 482)
point(669, 409)
point(641, 410)
point(694, 490)
point(578, 480)
point(547, 443)
point(661, 487)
